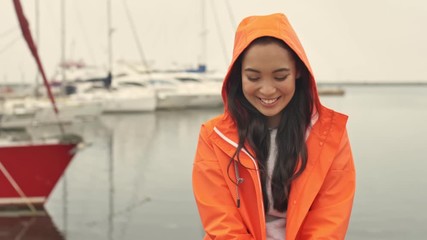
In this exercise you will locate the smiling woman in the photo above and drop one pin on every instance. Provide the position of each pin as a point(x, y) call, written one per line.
point(276, 164)
point(268, 77)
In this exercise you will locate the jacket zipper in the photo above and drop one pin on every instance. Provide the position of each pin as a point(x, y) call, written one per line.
point(239, 180)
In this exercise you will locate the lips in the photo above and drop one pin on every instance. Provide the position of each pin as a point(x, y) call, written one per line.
point(268, 101)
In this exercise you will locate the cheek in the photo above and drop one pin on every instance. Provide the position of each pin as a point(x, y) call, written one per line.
point(287, 91)
point(248, 87)
point(289, 87)
point(290, 90)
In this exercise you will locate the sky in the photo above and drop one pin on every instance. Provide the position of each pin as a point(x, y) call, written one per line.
point(346, 41)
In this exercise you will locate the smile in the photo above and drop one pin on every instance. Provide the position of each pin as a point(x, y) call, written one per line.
point(268, 101)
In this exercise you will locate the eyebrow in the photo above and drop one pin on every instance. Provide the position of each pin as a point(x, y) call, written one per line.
point(277, 70)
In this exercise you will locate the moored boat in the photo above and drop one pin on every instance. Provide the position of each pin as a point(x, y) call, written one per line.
point(30, 171)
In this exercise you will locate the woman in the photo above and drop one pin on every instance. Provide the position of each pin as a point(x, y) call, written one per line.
point(276, 164)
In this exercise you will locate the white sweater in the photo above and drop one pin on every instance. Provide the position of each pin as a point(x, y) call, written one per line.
point(275, 220)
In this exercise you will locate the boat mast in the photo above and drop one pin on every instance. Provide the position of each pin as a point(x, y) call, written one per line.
point(107, 82)
point(202, 63)
point(135, 35)
point(231, 15)
point(63, 88)
point(26, 33)
point(36, 90)
point(218, 29)
point(63, 63)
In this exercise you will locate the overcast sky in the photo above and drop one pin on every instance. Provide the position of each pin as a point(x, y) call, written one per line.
point(365, 40)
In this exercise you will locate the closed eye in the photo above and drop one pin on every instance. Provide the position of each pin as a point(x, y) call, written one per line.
point(281, 78)
point(252, 78)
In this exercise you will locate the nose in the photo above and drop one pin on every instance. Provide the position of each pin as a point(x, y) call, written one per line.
point(267, 89)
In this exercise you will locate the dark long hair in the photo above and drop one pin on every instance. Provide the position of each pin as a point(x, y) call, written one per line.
point(252, 129)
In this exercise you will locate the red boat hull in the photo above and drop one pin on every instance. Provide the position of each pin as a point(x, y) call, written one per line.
point(34, 169)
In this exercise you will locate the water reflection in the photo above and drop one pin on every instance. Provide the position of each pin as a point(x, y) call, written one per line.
point(27, 227)
point(134, 180)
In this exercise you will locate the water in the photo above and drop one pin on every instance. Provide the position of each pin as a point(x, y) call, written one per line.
point(388, 135)
point(134, 181)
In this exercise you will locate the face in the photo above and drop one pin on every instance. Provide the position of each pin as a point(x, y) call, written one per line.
point(268, 79)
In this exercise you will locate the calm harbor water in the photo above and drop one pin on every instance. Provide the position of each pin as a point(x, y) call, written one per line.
point(134, 180)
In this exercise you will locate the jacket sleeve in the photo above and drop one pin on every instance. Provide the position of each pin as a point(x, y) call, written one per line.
point(220, 217)
point(329, 215)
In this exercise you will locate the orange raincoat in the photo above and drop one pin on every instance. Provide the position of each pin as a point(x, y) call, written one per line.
point(320, 200)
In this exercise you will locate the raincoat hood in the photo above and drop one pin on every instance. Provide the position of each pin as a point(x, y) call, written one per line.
point(273, 25)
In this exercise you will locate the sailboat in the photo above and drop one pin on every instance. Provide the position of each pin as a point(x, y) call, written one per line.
point(29, 170)
point(115, 96)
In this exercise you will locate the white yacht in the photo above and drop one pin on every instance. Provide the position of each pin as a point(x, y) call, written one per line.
point(31, 111)
point(175, 90)
point(122, 96)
